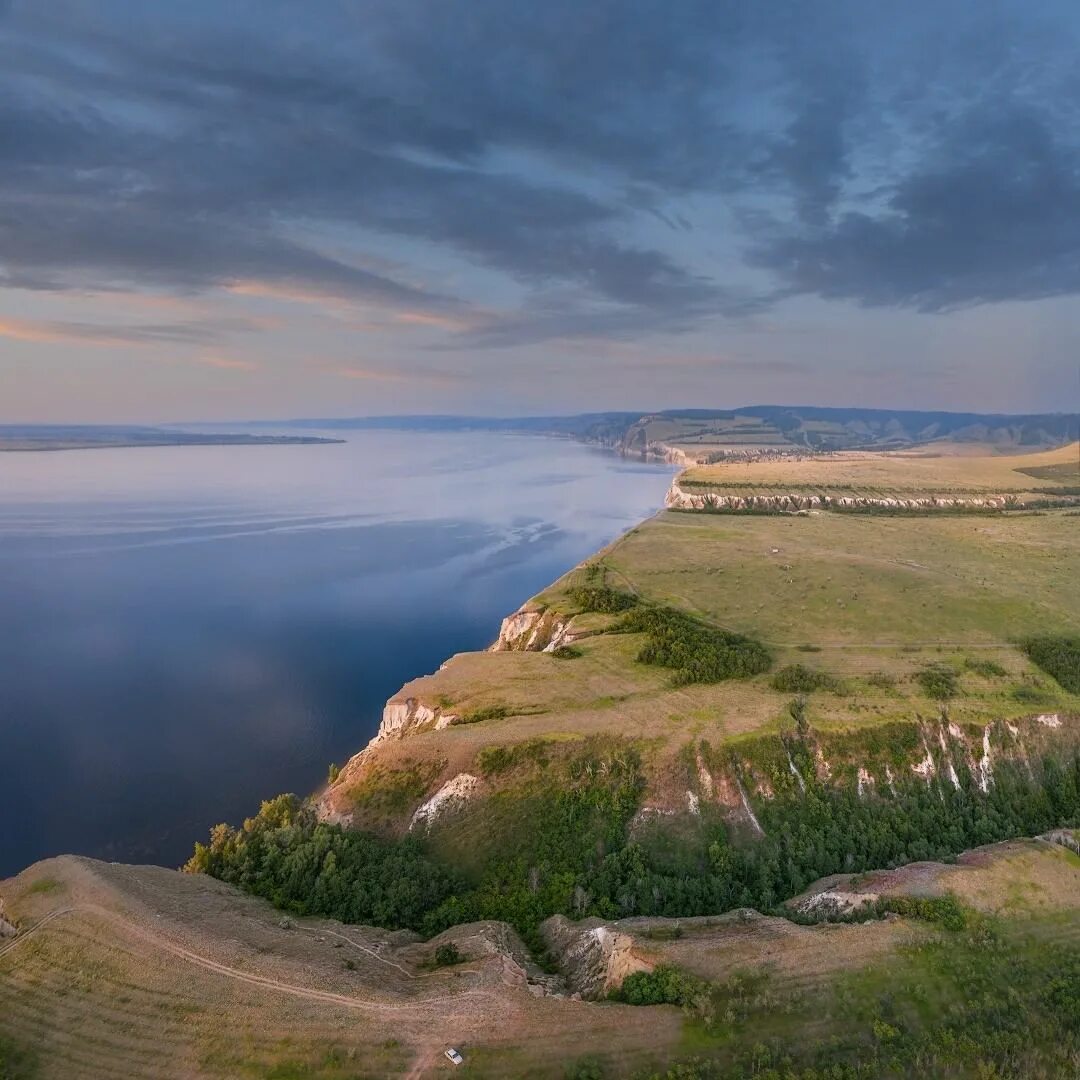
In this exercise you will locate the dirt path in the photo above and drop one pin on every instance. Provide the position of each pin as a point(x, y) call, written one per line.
point(26, 934)
point(373, 953)
point(423, 1064)
point(327, 997)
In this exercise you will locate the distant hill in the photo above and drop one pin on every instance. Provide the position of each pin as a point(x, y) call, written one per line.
point(699, 432)
point(16, 437)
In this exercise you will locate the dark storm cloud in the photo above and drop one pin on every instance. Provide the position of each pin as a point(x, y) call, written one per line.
point(923, 158)
point(997, 217)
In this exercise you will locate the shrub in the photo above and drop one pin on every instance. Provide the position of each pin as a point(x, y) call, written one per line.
point(567, 652)
point(448, 954)
point(664, 985)
point(881, 679)
point(799, 679)
point(602, 598)
point(991, 669)
point(698, 653)
point(938, 681)
point(586, 1069)
point(333, 772)
point(944, 911)
point(1059, 657)
point(477, 716)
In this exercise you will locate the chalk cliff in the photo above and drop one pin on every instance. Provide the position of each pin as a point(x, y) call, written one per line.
point(686, 498)
point(533, 630)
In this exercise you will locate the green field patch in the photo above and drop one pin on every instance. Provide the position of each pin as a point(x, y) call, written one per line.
point(17, 1061)
point(44, 886)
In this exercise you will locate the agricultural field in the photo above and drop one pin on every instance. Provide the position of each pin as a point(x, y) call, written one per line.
point(705, 435)
point(936, 469)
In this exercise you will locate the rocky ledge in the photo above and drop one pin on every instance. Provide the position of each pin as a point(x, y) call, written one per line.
point(533, 630)
point(681, 498)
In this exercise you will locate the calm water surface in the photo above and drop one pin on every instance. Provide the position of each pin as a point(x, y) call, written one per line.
point(187, 630)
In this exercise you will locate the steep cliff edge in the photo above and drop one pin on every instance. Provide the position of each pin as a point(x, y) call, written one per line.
point(533, 629)
point(685, 498)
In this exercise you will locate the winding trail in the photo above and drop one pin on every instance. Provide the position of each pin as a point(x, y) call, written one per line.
point(326, 997)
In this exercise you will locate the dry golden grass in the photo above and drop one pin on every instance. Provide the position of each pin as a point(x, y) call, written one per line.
point(1025, 877)
point(140, 971)
point(144, 972)
point(715, 948)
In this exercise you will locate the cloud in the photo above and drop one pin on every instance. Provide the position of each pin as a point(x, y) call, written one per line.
point(228, 363)
point(995, 216)
point(83, 333)
point(652, 168)
point(362, 373)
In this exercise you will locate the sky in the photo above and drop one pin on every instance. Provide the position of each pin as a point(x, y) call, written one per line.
point(231, 209)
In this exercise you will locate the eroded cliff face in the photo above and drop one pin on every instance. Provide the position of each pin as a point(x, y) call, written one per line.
point(592, 955)
point(938, 753)
point(401, 716)
point(533, 630)
point(683, 498)
point(669, 455)
point(450, 797)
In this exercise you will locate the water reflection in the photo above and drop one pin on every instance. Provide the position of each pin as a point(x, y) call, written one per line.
point(187, 630)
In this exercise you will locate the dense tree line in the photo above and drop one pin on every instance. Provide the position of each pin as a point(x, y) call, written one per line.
point(563, 847)
point(602, 598)
point(311, 868)
point(825, 831)
point(698, 653)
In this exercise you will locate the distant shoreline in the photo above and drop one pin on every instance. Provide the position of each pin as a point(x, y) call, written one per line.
point(13, 444)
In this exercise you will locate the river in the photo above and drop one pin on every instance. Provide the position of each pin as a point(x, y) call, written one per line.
point(187, 630)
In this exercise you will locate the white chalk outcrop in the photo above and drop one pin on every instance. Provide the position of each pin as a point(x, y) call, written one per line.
point(986, 763)
point(834, 903)
point(451, 796)
point(593, 957)
point(683, 498)
point(404, 715)
point(533, 630)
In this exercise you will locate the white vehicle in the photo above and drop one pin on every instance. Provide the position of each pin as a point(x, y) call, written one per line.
point(454, 1056)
